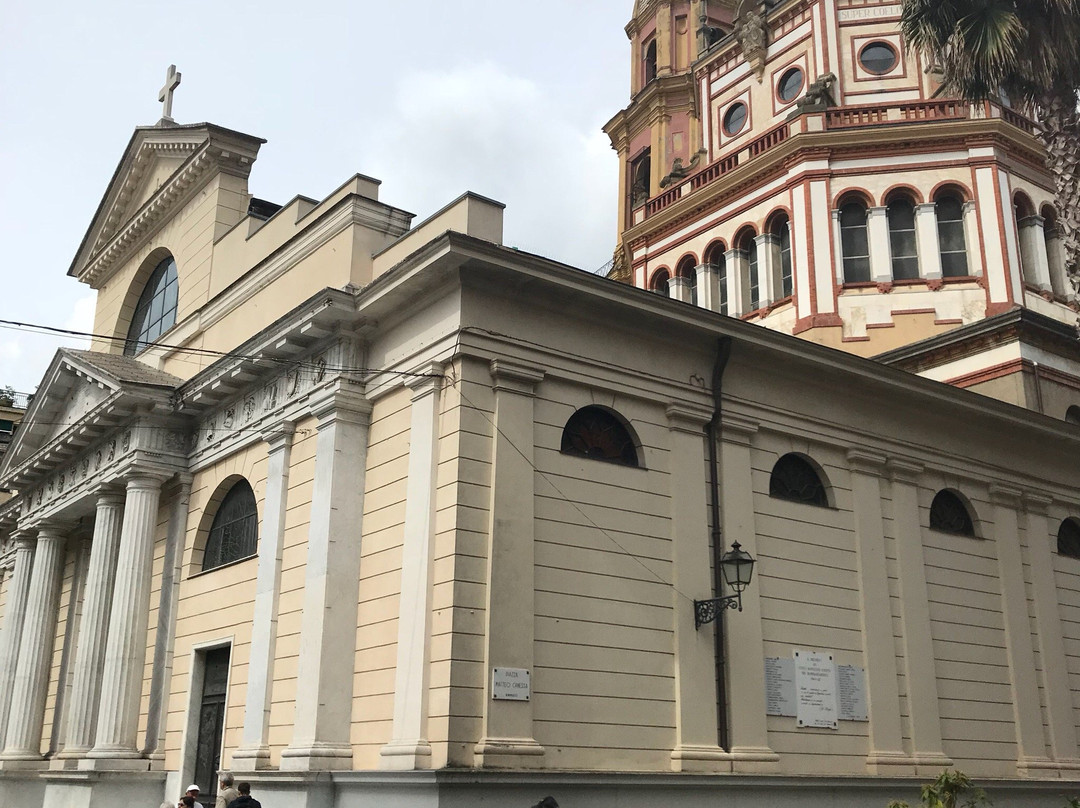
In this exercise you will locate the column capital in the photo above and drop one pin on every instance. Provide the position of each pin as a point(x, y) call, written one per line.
point(737, 429)
point(1037, 502)
point(53, 530)
point(1002, 494)
point(341, 403)
point(1034, 220)
point(515, 377)
point(905, 471)
point(425, 380)
point(23, 538)
point(107, 495)
point(866, 461)
point(684, 417)
point(279, 435)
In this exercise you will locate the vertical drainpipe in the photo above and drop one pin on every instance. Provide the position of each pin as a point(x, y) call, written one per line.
point(712, 431)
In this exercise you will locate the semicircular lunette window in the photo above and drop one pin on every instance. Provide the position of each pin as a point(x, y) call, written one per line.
point(878, 58)
point(595, 433)
point(793, 478)
point(949, 514)
point(790, 84)
point(155, 313)
point(735, 118)
point(235, 532)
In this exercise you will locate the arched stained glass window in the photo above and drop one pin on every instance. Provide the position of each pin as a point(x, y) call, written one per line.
point(794, 478)
point(155, 313)
point(595, 433)
point(235, 531)
point(949, 514)
point(1069, 537)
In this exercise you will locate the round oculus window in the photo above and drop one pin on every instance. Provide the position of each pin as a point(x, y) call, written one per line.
point(735, 118)
point(878, 58)
point(790, 84)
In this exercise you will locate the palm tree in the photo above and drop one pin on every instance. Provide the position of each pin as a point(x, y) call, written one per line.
point(1028, 50)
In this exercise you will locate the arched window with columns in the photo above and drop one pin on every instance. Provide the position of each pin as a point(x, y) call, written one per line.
point(903, 242)
point(780, 229)
point(661, 282)
point(1055, 252)
point(687, 270)
point(854, 242)
point(747, 247)
point(717, 261)
point(952, 243)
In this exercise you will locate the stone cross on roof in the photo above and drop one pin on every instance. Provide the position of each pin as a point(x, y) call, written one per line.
point(172, 81)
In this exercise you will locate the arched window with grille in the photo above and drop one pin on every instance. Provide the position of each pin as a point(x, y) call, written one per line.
point(1068, 537)
point(903, 244)
point(600, 434)
point(950, 514)
point(951, 239)
point(854, 243)
point(796, 479)
point(155, 313)
point(234, 533)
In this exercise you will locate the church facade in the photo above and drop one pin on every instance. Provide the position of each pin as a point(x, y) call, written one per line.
point(362, 509)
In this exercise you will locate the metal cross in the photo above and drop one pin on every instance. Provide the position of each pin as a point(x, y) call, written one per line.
point(172, 81)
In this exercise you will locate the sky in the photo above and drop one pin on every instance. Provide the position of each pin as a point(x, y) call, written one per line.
point(505, 99)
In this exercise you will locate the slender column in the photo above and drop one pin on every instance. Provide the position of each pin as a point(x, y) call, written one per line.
point(886, 735)
point(125, 648)
point(738, 280)
point(926, 237)
point(507, 730)
point(972, 239)
point(409, 747)
point(1060, 712)
point(254, 751)
point(90, 647)
point(1033, 252)
point(331, 587)
point(922, 693)
point(696, 718)
point(768, 262)
point(164, 637)
point(23, 740)
point(708, 284)
point(838, 252)
point(1027, 712)
point(14, 618)
point(1055, 258)
point(877, 229)
point(679, 289)
point(745, 650)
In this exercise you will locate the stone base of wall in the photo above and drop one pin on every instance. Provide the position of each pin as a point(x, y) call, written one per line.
point(509, 789)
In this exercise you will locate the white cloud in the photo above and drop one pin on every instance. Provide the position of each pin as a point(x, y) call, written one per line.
point(478, 128)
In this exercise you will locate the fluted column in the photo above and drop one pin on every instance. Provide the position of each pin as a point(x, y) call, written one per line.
point(254, 751)
point(23, 740)
point(125, 648)
point(409, 747)
point(14, 616)
point(90, 647)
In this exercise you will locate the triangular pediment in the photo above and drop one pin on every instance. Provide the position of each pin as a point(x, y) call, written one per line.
point(162, 168)
point(82, 394)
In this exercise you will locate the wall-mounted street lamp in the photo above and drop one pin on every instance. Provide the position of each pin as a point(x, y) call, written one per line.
point(737, 566)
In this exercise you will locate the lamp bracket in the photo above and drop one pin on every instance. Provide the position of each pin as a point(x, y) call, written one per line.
point(705, 611)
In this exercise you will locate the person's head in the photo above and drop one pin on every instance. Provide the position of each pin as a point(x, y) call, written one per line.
point(187, 801)
point(192, 791)
point(226, 779)
point(244, 788)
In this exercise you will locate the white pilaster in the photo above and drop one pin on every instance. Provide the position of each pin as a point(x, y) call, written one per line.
point(696, 719)
point(125, 648)
point(1033, 252)
point(1060, 712)
point(1055, 258)
point(679, 289)
point(22, 744)
point(768, 262)
point(409, 747)
point(738, 280)
point(708, 284)
point(886, 753)
point(90, 647)
point(1027, 712)
point(745, 651)
point(254, 751)
point(926, 236)
point(331, 587)
point(507, 729)
point(877, 230)
point(14, 617)
point(972, 239)
point(922, 692)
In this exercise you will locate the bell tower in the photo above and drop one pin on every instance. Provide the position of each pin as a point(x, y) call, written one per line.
point(658, 135)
